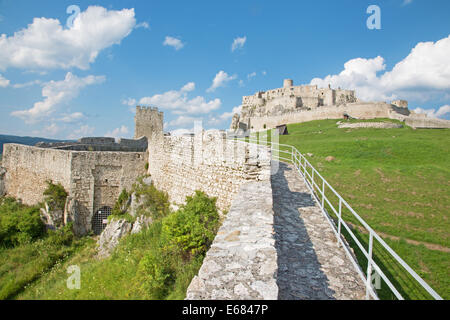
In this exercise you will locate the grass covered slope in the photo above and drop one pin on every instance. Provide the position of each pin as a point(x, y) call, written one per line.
point(397, 180)
point(157, 263)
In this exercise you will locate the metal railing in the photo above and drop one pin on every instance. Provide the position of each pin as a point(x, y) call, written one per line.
point(314, 179)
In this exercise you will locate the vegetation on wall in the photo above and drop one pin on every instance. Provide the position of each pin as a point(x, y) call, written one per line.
point(55, 195)
point(19, 224)
point(157, 263)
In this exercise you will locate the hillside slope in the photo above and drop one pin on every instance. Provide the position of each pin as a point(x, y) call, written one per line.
point(397, 180)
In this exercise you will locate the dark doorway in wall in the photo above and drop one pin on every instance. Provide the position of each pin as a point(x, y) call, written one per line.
point(99, 219)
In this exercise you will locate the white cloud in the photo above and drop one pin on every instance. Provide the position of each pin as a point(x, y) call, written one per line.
point(73, 117)
point(46, 44)
point(224, 116)
point(264, 72)
point(173, 42)
point(183, 121)
point(4, 82)
point(422, 75)
point(238, 43)
point(433, 113)
point(241, 83)
point(26, 84)
point(190, 86)
point(220, 80)
point(57, 93)
point(83, 131)
point(51, 130)
point(251, 75)
point(129, 102)
point(181, 131)
point(144, 25)
point(118, 132)
point(406, 2)
point(228, 115)
point(179, 103)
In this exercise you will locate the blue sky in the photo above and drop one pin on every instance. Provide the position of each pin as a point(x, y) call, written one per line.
point(85, 80)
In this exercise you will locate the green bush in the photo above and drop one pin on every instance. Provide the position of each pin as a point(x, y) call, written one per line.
point(19, 223)
point(156, 202)
point(55, 196)
point(193, 227)
point(120, 207)
point(63, 236)
point(157, 273)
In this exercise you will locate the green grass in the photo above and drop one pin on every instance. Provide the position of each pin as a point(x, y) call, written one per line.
point(116, 277)
point(22, 265)
point(155, 264)
point(398, 181)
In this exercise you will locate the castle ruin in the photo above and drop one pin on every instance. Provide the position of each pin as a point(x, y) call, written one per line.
point(295, 104)
point(95, 170)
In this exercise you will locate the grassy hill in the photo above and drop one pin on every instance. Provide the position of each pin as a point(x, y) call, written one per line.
point(398, 181)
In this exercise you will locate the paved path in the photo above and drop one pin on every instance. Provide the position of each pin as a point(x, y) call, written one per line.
point(311, 265)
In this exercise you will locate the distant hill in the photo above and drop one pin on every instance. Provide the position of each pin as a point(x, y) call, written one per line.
point(30, 141)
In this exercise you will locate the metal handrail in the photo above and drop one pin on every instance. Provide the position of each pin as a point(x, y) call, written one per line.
point(296, 158)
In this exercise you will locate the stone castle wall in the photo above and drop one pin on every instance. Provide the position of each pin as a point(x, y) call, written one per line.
point(242, 261)
point(95, 179)
point(27, 169)
point(357, 110)
point(208, 162)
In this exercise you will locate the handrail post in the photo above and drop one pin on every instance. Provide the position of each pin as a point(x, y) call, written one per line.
point(339, 219)
point(323, 193)
point(369, 265)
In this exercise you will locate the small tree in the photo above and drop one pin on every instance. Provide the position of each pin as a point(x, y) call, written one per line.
point(55, 195)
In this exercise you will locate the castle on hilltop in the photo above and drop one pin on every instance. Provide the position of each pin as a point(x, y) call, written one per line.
point(293, 104)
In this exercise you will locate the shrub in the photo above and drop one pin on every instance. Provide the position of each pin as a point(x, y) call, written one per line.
point(55, 196)
point(146, 166)
point(62, 236)
point(19, 223)
point(157, 273)
point(193, 227)
point(156, 202)
point(120, 207)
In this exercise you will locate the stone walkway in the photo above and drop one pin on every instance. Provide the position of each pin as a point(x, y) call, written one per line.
point(311, 265)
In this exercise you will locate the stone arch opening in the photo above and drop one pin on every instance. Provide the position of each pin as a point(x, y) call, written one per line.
point(99, 220)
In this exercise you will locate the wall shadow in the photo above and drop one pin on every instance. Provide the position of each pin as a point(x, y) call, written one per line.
point(299, 276)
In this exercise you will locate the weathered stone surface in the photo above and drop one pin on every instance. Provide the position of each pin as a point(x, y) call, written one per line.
point(141, 223)
point(72, 214)
point(135, 203)
point(206, 161)
point(95, 179)
point(147, 180)
point(53, 219)
point(376, 125)
point(311, 264)
point(241, 263)
point(109, 238)
point(2, 181)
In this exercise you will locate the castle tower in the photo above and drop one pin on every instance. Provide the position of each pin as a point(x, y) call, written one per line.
point(288, 83)
point(148, 122)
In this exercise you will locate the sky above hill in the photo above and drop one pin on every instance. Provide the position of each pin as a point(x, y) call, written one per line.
point(66, 73)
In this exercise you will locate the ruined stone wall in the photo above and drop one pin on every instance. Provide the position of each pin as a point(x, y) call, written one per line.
point(242, 260)
point(427, 123)
point(357, 110)
point(95, 179)
point(27, 169)
point(206, 161)
point(99, 177)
